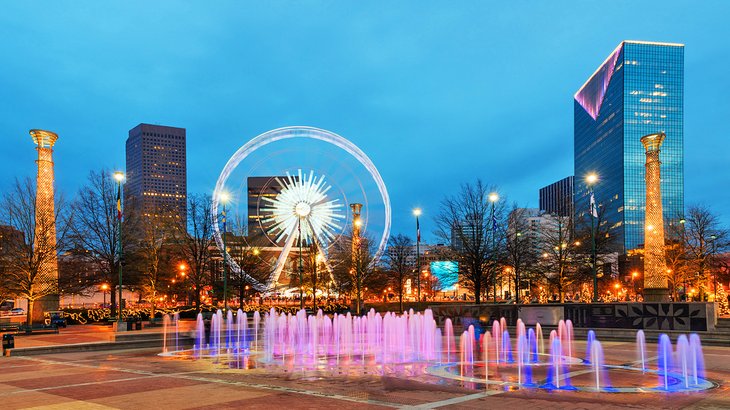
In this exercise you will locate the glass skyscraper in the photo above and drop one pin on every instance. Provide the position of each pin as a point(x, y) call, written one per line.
point(638, 90)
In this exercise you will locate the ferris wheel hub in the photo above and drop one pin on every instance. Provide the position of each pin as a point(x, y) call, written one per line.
point(302, 209)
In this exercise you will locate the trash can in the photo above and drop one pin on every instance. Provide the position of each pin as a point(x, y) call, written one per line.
point(8, 342)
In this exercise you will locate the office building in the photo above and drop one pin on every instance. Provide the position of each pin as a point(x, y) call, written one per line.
point(557, 198)
point(156, 171)
point(638, 90)
point(258, 188)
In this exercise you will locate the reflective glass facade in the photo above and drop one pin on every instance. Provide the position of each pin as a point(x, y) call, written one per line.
point(638, 90)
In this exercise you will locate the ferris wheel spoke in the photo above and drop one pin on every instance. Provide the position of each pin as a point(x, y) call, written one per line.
point(320, 249)
point(281, 260)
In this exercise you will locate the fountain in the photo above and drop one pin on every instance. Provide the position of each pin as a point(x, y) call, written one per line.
point(590, 338)
point(641, 349)
point(599, 370)
point(664, 361)
point(412, 345)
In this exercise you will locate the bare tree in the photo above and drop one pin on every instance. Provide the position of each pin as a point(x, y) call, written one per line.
point(676, 253)
point(196, 239)
point(249, 259)
point(352, 264)
point(32, 249)
point(399, 261)
point(465, 221)
point(703, 238)
point(96, 228)
point(520, 247)
point(153, 253)
point(559, 253)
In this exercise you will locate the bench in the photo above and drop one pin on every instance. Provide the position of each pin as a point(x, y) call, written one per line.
point(37, 329)
point(5, 327)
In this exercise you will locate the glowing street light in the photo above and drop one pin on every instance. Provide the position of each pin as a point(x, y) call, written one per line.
point(591, 180)
point(417, 213)
point(225, 197)
point(104, 288)
point(493, 198)
point(119, 177)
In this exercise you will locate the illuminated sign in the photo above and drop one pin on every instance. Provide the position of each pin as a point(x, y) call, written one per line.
point(447, 273)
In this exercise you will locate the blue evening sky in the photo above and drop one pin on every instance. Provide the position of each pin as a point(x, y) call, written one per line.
point(436, 93)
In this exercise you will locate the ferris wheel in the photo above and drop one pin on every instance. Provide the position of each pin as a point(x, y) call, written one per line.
point(299, 183)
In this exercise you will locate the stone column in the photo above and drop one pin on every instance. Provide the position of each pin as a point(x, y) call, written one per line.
point(655, 268)
point(45, 225)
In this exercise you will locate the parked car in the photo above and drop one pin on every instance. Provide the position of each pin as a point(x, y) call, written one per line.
point(17, 311)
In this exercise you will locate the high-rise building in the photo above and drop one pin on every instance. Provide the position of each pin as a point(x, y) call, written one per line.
point(638, 90)
point(258, 188)
point(157, 170)
point(557, 198)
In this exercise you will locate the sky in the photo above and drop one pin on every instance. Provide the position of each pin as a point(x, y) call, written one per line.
point(437, 94)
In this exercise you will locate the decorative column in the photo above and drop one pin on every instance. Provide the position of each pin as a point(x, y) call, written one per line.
point(655, 268)
point(356, 249)
point(45, 225)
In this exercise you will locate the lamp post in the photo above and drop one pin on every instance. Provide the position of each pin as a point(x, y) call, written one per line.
point(493, 198)
point(518, 285)
point(104, 288)
point(302, 210)
point(591, 180)
point(182, 278)
point(224, 197)
point(714, 273)
point(617, 287)
point(417, 213)
point(633, 284)
point(119, 177)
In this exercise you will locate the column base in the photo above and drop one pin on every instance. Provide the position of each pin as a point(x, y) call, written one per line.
point(43, 305)
point(656, 295)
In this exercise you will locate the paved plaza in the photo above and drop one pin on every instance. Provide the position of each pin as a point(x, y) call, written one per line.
point(136, 379)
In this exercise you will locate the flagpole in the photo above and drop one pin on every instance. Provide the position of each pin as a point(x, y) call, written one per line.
point(418, 256)
point(119, 176)
point(590, 180)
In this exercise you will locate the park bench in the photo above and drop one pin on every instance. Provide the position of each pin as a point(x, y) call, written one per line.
point(8, 327)
point(37, 329)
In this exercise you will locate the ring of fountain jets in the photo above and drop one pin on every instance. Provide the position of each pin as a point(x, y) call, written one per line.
point(412, 345)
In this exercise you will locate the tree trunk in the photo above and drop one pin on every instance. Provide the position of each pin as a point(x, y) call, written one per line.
point(477, 293)
point(196, 298)
point(154, 302)
point(400, 294)
point(29, 313)
point(240, 296)
point(113, 298)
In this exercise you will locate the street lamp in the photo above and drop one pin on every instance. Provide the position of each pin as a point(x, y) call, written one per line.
point(224, 198)
point(617, 287)
point(104, 288)
point(417, 213)
point(714, 273)
point(119, 177)
point(633, 284)
point(591, 180)
point(493, 198)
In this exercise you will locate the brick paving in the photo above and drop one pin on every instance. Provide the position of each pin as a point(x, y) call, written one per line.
point(140, 379)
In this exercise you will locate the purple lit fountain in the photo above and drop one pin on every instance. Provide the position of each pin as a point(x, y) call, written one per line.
point(412, 345)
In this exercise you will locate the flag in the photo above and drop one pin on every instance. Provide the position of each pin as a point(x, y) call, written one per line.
point(594, 211)
point(418, 231)
point(494, 222)
point(224, 221)
point(119, 204)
